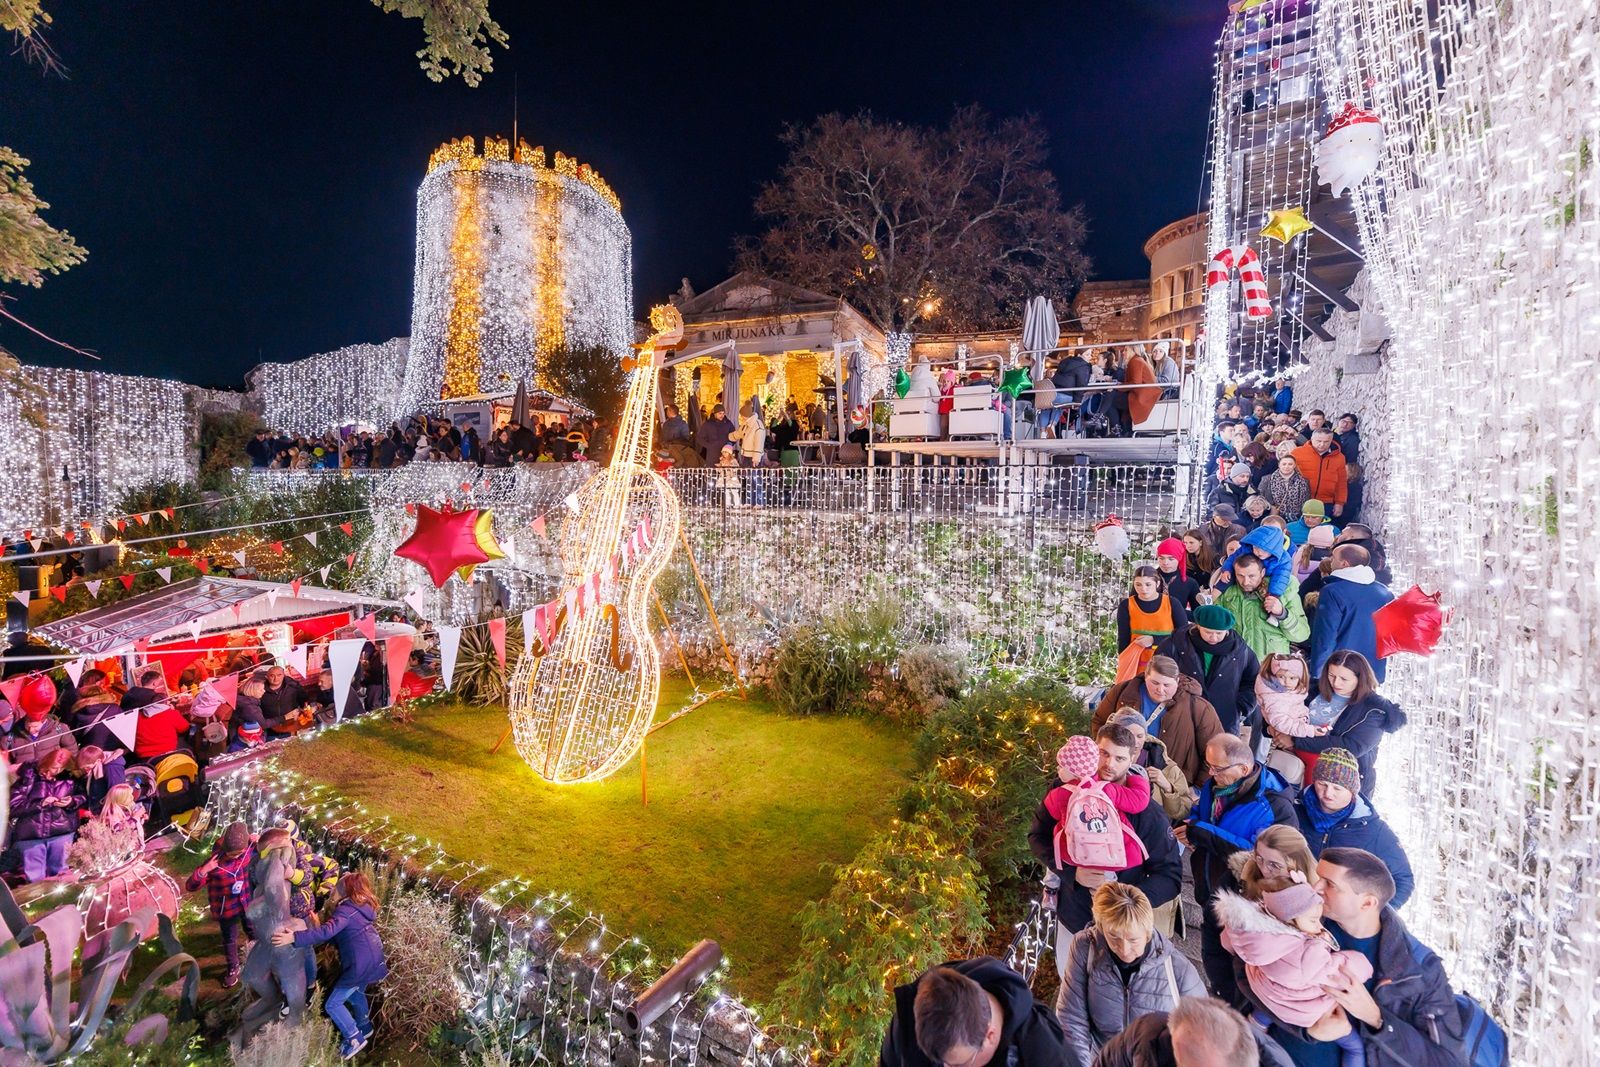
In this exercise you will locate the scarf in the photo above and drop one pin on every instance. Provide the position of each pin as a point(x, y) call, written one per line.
point(1221, 793)
point(1323, 821)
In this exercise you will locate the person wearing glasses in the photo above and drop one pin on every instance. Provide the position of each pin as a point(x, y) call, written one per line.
point(971, 1013)
point(1238, 802)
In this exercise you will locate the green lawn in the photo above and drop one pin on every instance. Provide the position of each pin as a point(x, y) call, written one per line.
point(746, 805)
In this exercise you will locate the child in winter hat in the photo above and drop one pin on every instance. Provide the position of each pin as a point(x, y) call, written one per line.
point(1078, 763)
point(1288, 955)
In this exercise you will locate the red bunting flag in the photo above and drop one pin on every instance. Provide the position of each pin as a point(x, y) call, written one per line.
point(126, 580)
point(538, 526)
point(348, 528)
point(368, 625)
point(486, 482)
point(396, 654)
point(122, 524)
point(143, 518)
point(294, 587)
point(59, 592)
point(71, 536)
point(277, 547)
point(497, 634)
point(350, 560)
point(411, 509)
point(27, 535)
point(466, 487)
point(168, 513)
point(202, 564)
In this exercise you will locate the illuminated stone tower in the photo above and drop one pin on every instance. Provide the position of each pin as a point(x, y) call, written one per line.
point(515, 257)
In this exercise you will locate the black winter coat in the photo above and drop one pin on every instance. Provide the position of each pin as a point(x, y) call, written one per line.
point(1230, 684)
point(1359, 728)
point(1031, 1037)
point(276, 703)
point(32, 820)
point(1160, 876)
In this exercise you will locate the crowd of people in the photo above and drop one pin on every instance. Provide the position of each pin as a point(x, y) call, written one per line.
point(1240, 741)
point(424, 440)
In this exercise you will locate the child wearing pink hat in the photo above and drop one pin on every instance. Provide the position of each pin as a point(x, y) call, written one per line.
point(1288, 955)
point(1085, 809)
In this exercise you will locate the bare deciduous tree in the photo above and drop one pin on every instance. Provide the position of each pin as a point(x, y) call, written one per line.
point(954, 227)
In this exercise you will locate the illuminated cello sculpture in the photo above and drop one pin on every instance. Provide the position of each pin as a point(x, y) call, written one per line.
point(581, 709)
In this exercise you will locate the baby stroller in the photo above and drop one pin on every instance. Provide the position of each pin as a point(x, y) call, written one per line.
point(176, 788)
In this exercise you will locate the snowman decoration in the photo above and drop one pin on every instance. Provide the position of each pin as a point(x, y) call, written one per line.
point(1110, 538)
point(1349, 151)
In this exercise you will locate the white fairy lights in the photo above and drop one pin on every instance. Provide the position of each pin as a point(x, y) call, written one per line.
point(514, 258)
point(72, 441)
point(1481, 229)
point(357, 383)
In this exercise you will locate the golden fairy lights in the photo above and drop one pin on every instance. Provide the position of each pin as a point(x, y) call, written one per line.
point(463, 153)
point(549, 284)
point(462, 358)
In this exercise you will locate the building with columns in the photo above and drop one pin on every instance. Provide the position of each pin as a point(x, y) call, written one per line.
point(1177, 295)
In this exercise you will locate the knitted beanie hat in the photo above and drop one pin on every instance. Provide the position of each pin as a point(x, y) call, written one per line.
point(1286, 904)
point(1338, 766)
point(1078, 759)
point(236, 838)
point(1213, 617)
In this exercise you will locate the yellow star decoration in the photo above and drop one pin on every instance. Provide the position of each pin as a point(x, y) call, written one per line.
point(1239, 6)
point(1285, 226)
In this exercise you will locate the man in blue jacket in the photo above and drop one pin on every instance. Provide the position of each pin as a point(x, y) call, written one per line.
point(1240, 800)
point(1345, 607)
point(1406, 1013)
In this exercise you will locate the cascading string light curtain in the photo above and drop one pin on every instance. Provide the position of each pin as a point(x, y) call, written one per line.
point(1482, 237)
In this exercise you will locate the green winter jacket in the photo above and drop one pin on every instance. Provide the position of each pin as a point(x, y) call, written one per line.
point(1251, 619)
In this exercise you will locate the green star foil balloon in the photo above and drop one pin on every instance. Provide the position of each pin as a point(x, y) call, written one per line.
point(1015, 381)
point(902, 382)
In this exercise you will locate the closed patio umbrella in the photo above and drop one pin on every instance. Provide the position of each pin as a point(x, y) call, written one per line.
point(730, 384)
point(1041, 332)
point(519, 405)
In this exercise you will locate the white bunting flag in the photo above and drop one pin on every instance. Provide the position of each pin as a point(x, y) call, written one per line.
point(509, 547)
point(272, 597)
point(194, 630)
point(344, 656)
point(75, 670)
point(323, 573)
point(417, 600)
point(311, 537)
point(22, 596)
point(238, 557)
point(528, 626)
point(574, 606)
point(571, 502)
point(124, 727)
point(166, 574)
point(449, 643)
point(35, 543)
point(94, 588)
point(297, 659)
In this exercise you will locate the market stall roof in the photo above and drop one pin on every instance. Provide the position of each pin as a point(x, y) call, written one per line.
point(505, 396)
point(215, 603)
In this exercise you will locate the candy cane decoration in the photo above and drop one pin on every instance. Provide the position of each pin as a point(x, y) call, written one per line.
point(1257, 305)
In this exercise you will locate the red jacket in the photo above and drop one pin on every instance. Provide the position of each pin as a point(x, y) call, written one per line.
point(1330, 482)
point(158, 734)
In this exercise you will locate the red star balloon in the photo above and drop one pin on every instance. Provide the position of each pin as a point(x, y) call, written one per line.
point(443, 541)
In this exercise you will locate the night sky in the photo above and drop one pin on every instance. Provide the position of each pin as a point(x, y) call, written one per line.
point(244, 175)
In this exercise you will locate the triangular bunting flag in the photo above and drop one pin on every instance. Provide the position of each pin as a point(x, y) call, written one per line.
point(238, 557)
point(277, 547)
point(226, 687)
point(497, 637)
point(344, 655)
point(449, 643)
point(11, 688)
point(272, 597)
point(538, 526)
point(166, 574)
point(574, 607)
point(528, 618)
point(71, 536)
point(348, 528)
point(416, 600)
point(194, 630)
point(235, 609)
point(22, 596)
point(350, 560)
point(466, 487)
point(202, 565)
point(509, 547)
point(571, 501)
point(294, 587)
point(322, 573)
point(297, 659)
point(143, 518)
point(94, 588)
point(396, 655)
point(123, 727)
point(35, 543)
point(168, 513)
point(411, 509)
point(126, 580)
point(141, 644)
point(74, 670)
point(368, 625)
point(311, 537)
point(122, 524)
point(486, 481)
point(545, 620)
point(59, 592)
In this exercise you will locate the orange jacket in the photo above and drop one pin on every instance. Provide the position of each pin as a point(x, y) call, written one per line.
point(1141, 402)
point(1330, 482)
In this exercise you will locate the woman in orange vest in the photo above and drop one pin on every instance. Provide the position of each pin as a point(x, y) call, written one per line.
point(1149, 615)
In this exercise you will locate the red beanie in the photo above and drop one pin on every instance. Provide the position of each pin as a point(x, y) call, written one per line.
point(1174, 547)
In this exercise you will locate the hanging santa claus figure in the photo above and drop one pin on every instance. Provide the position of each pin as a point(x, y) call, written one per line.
point(1110, 538)
point(1349, 151)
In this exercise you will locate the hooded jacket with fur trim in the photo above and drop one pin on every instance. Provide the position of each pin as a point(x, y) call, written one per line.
point(1285, 965)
